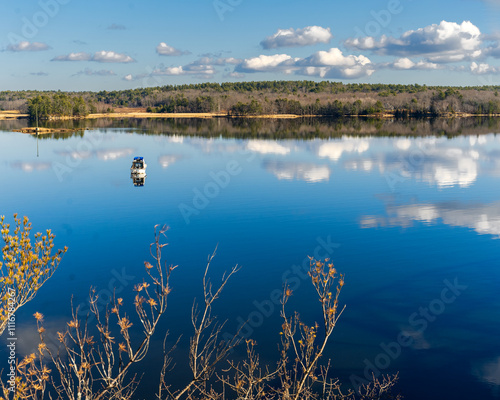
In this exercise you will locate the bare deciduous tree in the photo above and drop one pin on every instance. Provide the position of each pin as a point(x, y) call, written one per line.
point(25, 266)
point(94, 360)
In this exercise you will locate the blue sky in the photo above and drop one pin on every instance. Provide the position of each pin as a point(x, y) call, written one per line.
point(108, 44)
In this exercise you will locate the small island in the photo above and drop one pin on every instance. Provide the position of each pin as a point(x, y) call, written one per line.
point(44, 131)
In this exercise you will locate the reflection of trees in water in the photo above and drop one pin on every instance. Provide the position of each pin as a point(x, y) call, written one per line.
point(11, 124)
point(305, 128)
point(61, 135)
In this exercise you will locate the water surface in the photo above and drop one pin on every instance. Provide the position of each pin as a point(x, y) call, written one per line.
point(410, 212)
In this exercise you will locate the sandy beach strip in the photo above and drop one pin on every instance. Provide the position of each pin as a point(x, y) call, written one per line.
point(12, 114)
point(142, 114)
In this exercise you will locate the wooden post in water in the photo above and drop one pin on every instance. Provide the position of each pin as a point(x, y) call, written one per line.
point(36, 117)
point(36, 130)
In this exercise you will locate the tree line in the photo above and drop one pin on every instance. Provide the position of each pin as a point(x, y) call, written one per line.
point(264, 97)
point(58, 105)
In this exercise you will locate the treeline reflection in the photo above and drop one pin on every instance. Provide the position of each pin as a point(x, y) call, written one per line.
point(299, 128)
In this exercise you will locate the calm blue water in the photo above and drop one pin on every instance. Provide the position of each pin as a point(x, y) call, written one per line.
point(413, 222)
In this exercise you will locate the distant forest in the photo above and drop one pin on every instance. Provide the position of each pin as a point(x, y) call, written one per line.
point(305, 98)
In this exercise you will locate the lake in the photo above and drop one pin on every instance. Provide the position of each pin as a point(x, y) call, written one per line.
point(408, 211)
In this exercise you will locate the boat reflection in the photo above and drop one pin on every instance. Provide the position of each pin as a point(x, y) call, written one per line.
point(138, 179)
point(138, 171)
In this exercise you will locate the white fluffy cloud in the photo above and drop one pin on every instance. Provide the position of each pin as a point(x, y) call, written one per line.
point(164, 49)
point(325, 64)
point(443, 42)
point(81, 56)
point(406, 63)
point(334, 57)
point(202, 70)
point(111, 57)
point(170, 71)
point(263, 63)
point(482, 68)
point(100, 56)
point(307, 36)
point(27, 46)
point(357, 71)
point(333, 64)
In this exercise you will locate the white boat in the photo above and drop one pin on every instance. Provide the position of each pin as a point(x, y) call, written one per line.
point(138, 166)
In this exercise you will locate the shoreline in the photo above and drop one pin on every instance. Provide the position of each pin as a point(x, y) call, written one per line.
point(44, 131)
point(13, 115)
point(185, 115)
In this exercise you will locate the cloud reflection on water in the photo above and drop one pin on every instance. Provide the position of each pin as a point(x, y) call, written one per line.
point(298, 171)
point(438, 166)
point(482, 218)
point(267, 147)
point(437, 161)
point(488, 371)
point(31, 166)
point(104, 154)
point(167, 160)
point(113, 154)
point(334, 150)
